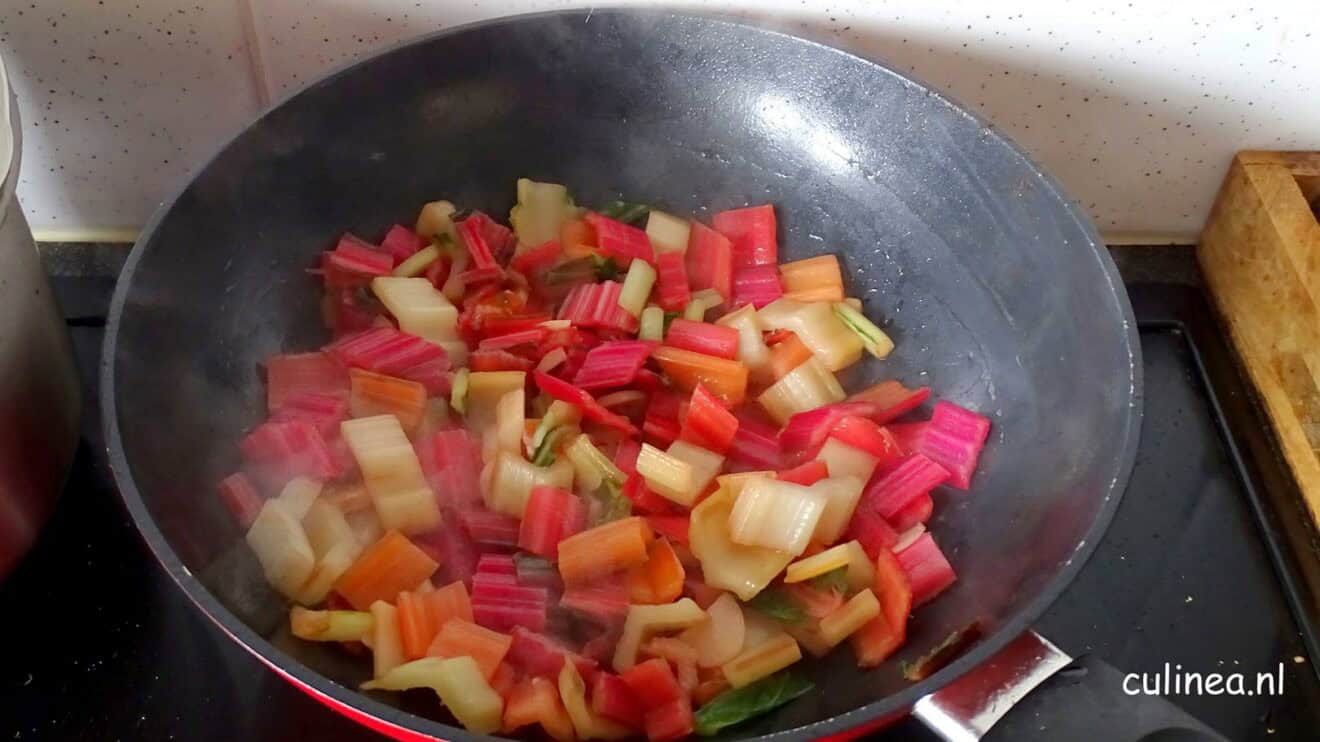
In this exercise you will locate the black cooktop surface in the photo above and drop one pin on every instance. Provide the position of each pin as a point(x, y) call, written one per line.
point(101, 645)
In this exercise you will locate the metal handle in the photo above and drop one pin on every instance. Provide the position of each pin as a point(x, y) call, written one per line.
point(964, 710)
point(1086, 701)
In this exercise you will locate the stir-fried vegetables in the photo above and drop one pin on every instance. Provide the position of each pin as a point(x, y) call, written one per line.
point(595, 475)
point(459, 684)
point(742, 569)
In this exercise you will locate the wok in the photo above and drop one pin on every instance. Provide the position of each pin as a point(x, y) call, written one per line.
point(994, 285)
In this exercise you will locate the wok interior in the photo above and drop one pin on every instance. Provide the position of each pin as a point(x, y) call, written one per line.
point(982, 274)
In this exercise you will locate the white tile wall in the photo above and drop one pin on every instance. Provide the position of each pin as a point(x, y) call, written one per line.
point(120, 99)
point(1136, 107)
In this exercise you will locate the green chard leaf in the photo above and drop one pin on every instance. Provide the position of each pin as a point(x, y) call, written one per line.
point(834, 581)
point(628, 213)
point(774, 602)
point(545, 453)
point(581, 270)
point(670, 317)
point(606, 268)
point(740, 704)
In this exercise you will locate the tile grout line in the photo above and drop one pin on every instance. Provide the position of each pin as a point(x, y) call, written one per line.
point(256, 59)
point(130, 234)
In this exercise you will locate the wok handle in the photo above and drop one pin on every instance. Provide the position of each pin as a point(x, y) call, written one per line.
point(1084, 701)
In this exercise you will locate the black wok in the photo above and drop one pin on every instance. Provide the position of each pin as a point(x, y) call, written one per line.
point(994, 285)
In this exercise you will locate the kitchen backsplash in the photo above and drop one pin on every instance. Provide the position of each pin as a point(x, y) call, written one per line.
point(1135, 106)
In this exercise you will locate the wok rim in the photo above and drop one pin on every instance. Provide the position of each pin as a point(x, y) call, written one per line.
point(403, 722)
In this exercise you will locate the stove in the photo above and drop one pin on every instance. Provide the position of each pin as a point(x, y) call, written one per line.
point(1199, 568)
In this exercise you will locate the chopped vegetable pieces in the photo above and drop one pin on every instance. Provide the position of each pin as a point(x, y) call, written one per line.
point(667, 232)
point(599, 437)
point(612, 364)
point(241, 497)
point(710, 260)
point(388, 567)
point(653, 683)
point(953, 439)
point(708, 423)
point(459, 638)
point(620, 241)
point(353, 262)
point(928, 570)
point(883, 635)
point(723, 378)
point(392, 473)
point(293, 448)
point(420, 308)
point(806, 387)
point(310, 373)
point(605, 601)
point(586, 722)
point(813, 279)
point(551, 515)
point(415, 627)
point(613, 699)
point(377, 394)
point(720, 638)
point(775, 515)
point(892, 400)
point(873, 338)
point(330, 626)
point(672, 289)
point(591, 409)
point(756, 285)
point(500, 603)
point(607, 548)
point(752, 231)
point(915, 476)
point(459, 683)
point(281, 546)
point(645, 621)
point(539, 655)
point(741, 569)
point(660, 578)
point(703, 337)
point(762, 660)
point(670, 721)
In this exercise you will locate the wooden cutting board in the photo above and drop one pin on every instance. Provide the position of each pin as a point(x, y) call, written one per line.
point(1260, 253)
